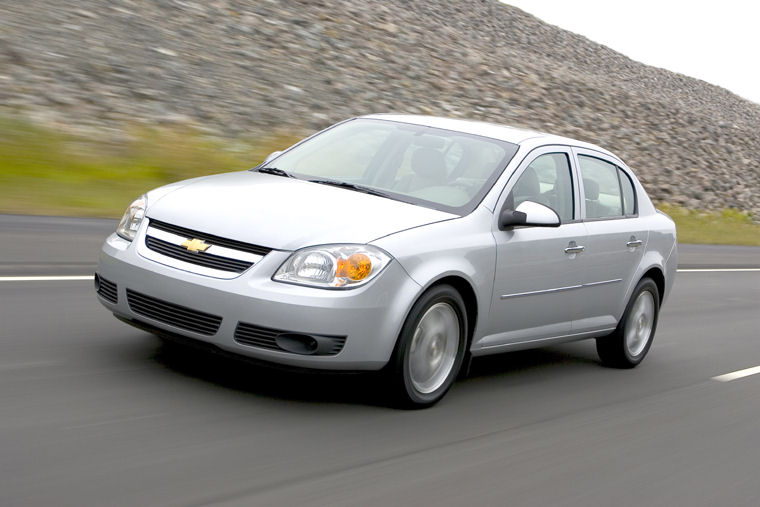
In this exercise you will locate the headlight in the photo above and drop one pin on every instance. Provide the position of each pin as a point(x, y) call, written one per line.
point(333, 266)
point(132, 218)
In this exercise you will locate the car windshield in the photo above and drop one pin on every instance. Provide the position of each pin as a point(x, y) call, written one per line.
point(441, 169)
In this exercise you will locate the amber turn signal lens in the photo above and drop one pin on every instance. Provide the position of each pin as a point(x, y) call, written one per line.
point(356, 267)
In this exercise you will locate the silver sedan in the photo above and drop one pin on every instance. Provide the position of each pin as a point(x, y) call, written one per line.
point(405, 244)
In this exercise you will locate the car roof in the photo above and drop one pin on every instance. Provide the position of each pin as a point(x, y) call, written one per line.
point(529, 138)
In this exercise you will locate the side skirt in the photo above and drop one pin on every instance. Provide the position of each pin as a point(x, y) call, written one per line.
point(541, 342)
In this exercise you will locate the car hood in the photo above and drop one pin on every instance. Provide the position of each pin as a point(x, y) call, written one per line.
point(284, 213)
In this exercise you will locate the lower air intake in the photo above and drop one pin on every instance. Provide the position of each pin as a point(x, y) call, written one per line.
point(106, 289)
point(173, 314)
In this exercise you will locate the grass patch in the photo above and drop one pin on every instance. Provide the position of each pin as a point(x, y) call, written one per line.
point(43, 172)
point(726, 227)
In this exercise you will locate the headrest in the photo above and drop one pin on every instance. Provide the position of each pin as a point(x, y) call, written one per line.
point(429, 163)
point(528, 184)
point(429, 141)
point(591, 189)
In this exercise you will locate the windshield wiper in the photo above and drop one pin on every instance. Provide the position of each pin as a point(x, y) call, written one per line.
point(275, 171)
point(352, 186)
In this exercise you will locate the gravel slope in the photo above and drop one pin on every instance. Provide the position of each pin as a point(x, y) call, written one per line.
point(235, 67)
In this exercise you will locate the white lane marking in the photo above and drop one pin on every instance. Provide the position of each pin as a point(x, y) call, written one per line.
point(728, 377)
point(120, 420)
point(28, 364)
point(717, 270)
point(44, 278)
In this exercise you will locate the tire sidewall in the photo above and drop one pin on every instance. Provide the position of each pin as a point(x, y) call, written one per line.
point(438, 294)
point(647, 284)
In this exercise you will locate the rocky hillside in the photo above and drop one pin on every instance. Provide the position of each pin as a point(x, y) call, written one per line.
point(235, 67)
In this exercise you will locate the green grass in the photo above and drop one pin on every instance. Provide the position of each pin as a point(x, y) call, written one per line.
point(43, 172)
point(726, 227)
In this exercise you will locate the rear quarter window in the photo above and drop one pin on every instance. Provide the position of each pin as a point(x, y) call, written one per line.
point(629, 194)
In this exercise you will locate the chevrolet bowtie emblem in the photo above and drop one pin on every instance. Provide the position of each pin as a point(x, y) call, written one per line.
point(196, 245)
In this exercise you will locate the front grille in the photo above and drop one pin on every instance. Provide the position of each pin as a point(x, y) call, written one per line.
point(107, 290)
point(210, 238)
point(266, 338)
point(173, 314)
point(198, 258)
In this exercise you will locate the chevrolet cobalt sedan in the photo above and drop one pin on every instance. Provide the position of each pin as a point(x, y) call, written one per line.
point(405, 244)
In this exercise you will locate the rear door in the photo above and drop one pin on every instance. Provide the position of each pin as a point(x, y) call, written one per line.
point(615, 241)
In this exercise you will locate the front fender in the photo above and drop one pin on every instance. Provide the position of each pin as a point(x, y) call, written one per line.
point(463, 248)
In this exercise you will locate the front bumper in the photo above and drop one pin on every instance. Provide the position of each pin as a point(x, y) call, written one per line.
point(370, 317)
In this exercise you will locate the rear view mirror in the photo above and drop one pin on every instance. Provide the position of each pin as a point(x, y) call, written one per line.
point(271, 157)
point(529, 213)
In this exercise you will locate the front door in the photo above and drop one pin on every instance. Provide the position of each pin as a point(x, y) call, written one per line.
point(537, 276)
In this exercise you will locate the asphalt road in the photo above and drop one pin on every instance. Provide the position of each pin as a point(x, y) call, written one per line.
point(93, 412)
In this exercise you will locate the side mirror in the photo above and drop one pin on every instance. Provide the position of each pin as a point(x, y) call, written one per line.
point(271, 157)
point(529, 213)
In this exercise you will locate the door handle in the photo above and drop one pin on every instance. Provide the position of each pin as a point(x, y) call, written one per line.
point(573, 248)
point(634, 243)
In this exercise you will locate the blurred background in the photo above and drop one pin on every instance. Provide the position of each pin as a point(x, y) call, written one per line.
point(101, 101)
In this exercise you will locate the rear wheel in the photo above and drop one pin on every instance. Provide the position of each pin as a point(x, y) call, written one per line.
point(431, 348)
point(629, 343)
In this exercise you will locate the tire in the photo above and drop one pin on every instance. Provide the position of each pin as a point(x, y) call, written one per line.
point(627, 346)
point(430, 348)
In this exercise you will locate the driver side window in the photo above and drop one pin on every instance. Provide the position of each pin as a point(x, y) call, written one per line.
point(548, 181)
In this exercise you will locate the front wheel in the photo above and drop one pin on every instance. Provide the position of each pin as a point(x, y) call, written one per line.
point(431, 348)
point(629, 343)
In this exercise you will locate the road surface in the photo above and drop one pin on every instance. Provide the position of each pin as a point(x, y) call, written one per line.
point(94, 412)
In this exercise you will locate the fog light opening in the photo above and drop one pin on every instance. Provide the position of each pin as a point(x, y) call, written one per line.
point(297, 343)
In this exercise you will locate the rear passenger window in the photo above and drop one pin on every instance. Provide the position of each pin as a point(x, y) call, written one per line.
point(601, 187)
point(629, 195)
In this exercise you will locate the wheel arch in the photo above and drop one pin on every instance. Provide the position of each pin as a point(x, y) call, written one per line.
point(656, 274)
point(465, 289)
point(467, 292)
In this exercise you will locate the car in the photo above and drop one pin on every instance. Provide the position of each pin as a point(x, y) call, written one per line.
point(401, 244)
